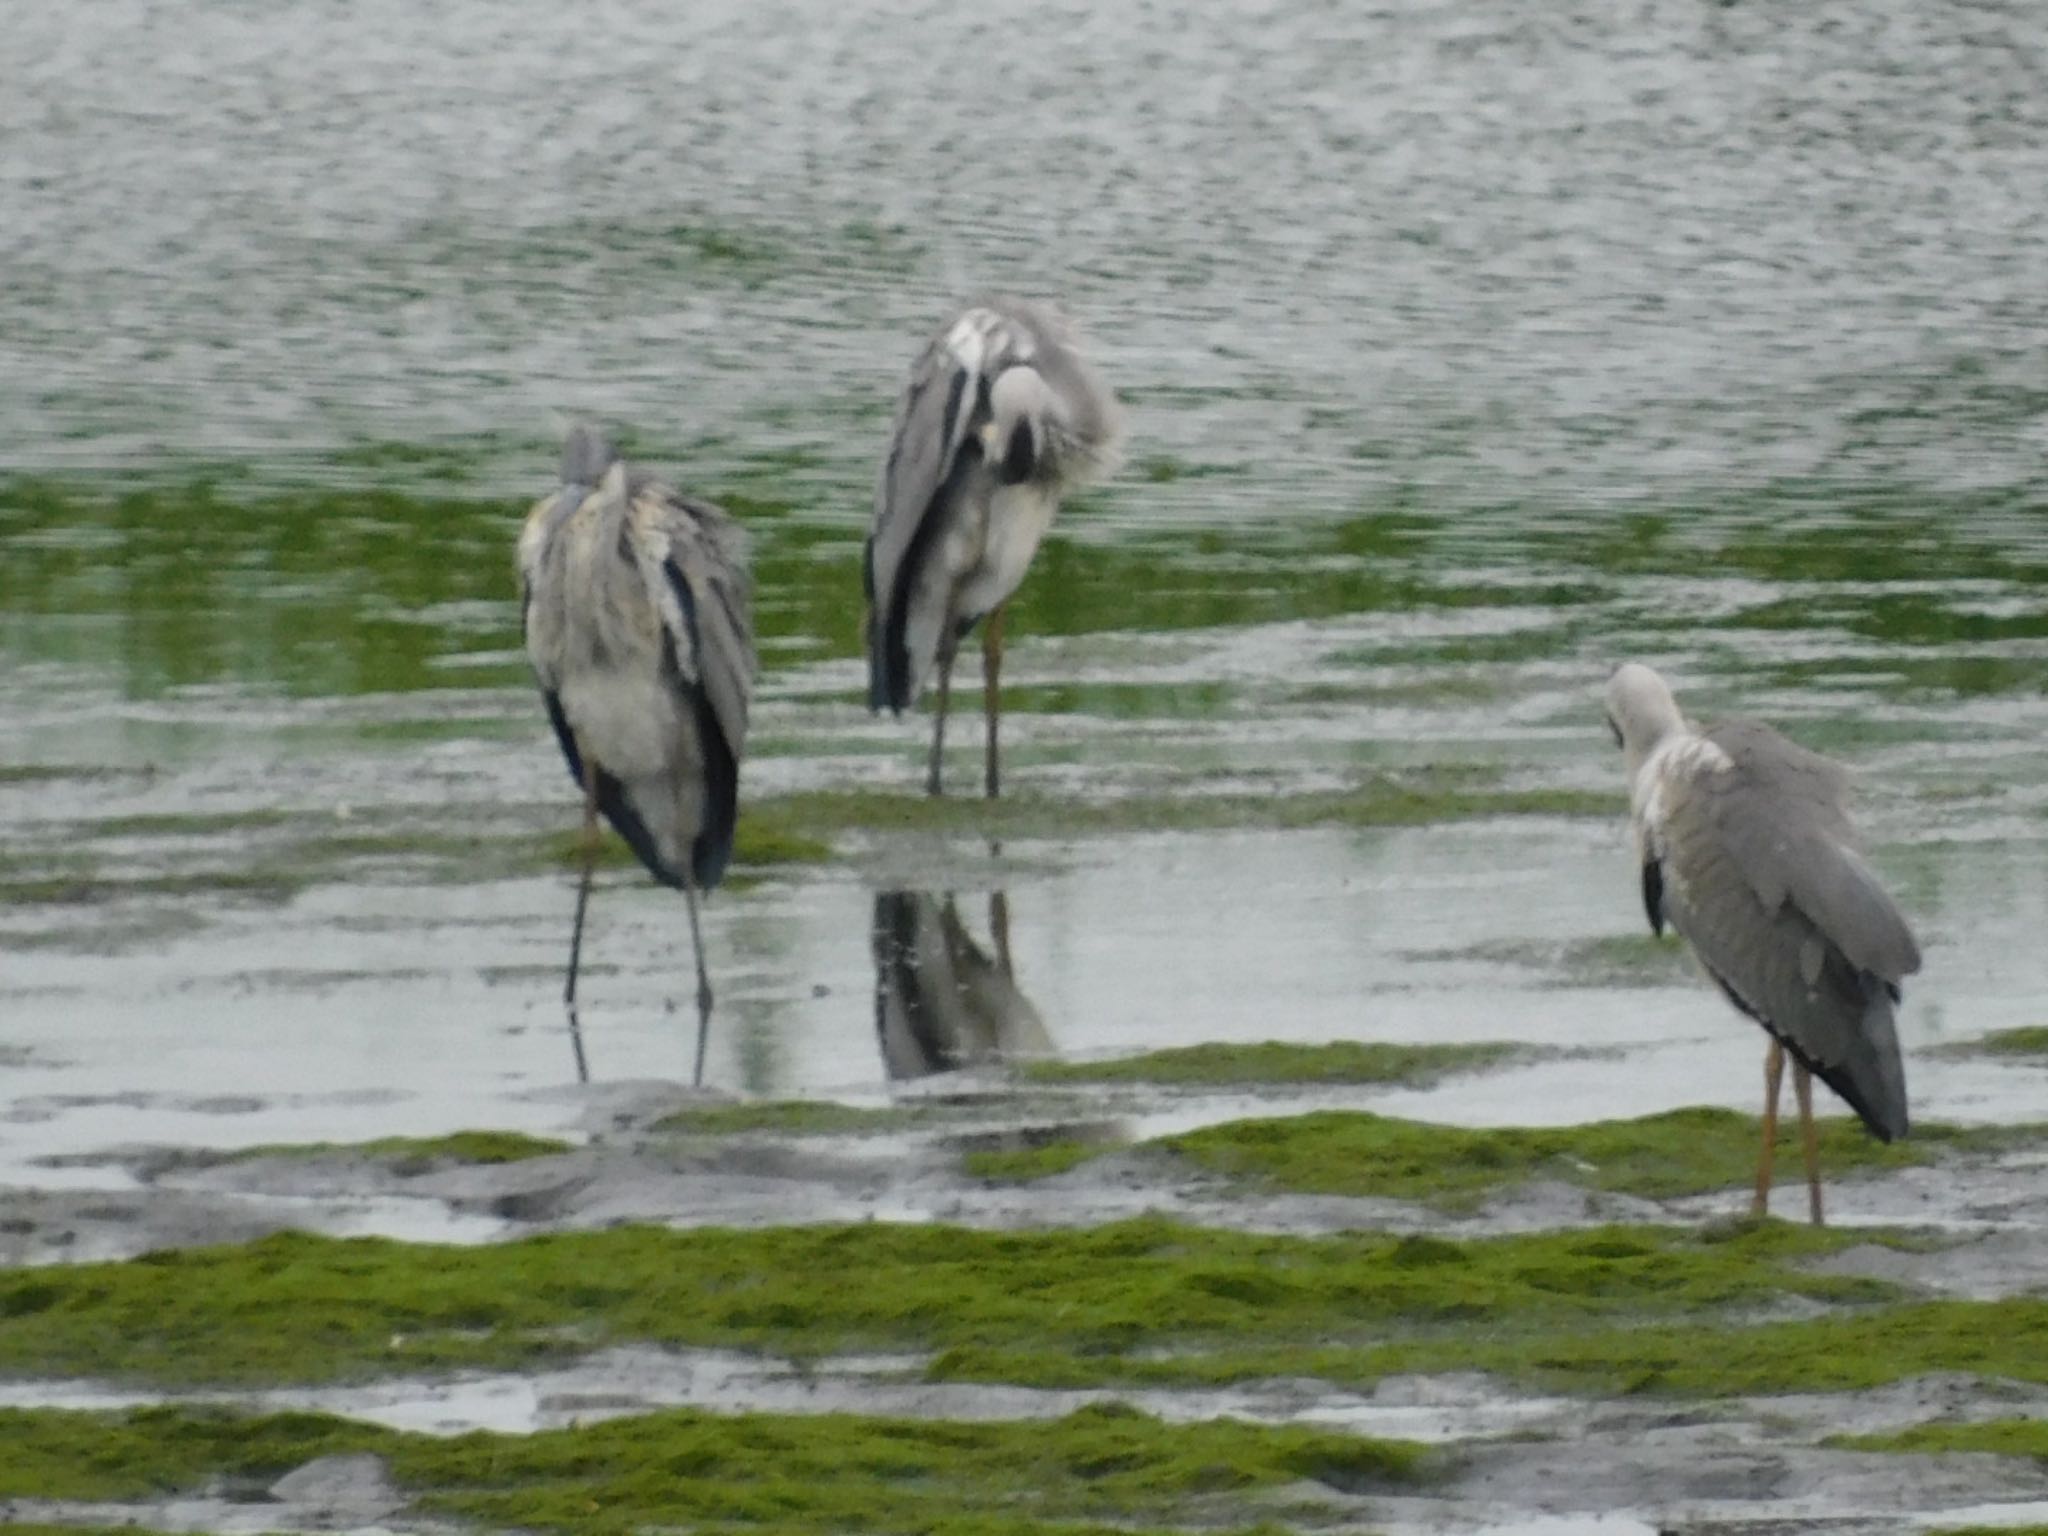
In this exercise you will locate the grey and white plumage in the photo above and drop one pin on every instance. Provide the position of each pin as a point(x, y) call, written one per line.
point(638, 626)
point(1000, 419)
point(1746, 849)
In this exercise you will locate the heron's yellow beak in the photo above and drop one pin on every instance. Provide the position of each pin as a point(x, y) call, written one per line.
point(987, 433)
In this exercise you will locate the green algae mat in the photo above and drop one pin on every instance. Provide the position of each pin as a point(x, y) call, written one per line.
point(1141, 1302)
point(1351, 1152)
point(1101, 1466)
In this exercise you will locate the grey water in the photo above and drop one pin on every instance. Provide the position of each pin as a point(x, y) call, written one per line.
point(1714, 333)
point(1478, 252)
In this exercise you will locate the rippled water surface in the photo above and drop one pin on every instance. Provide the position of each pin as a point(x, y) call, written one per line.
point(1468, 350)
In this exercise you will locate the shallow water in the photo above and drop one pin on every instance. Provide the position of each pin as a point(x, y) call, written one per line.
point(1466, 353)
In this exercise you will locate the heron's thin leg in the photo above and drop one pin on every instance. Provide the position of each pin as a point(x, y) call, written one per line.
point(703, 980)
point(999, 930)
point(1802, 1089)
point(576, 1046)
point(583, 887)
point(1774, 1077)
point(991, 692)
point(931, 778)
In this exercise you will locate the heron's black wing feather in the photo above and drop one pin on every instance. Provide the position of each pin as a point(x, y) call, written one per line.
point(711, 853)
point(891, 679)
point(564, 735)
point(1653, 895)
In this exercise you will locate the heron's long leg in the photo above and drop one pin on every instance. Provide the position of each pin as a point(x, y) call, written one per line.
point(583, 887)
point(991, 692)
point(946, 654)
point(999, 930)
point(576, 1046)
point(703, 980)
point(1802, 1089)
point(1774, 1077)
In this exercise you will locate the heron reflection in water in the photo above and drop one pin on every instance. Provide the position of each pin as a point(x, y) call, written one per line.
point(942, 1002)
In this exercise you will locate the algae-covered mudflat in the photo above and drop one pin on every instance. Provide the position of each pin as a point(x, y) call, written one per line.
point(1289, 1120)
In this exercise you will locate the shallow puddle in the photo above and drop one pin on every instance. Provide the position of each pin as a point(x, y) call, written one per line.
point(618, 1382)
point(359, 1010)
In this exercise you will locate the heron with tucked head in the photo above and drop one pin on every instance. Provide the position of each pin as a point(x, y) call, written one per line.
point(1745, 847)
point(1001, 418)
point(637, 621)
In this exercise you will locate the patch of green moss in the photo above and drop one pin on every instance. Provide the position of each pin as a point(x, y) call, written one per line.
point(345, 574)
point(1274, 1061)
point(411, 1155)
point(1091, 1304)
point(1493, 648)
point(280, 854)
point(1658, 1157)
point(1726, 1357)
point(1613, 960)
point(152, 1452)
point(1414, 798)
point(1164, 469)
point(762, 838)
point(2028, 1040)
point(1124, 701)
point(1021, 1165)
point(63, 773)
point(192, 823)
point(1838, 1353)
point(718, 1472)
point(262, 884)
point(794, 1117)
point(1995, 1437)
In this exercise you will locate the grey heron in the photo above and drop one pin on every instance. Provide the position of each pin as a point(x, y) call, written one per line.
point(1746, 849)
point(636, 613)
point(1000, 419)
point(941, 1002)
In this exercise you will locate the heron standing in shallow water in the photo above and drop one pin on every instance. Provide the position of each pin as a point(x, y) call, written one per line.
point(1746, 849)
point(637, 624)
point(1001, 418)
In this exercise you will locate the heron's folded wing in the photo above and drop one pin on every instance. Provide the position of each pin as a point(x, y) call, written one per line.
point(933, 420)
point(542, 522)
point(694, 558)
point(1773, 957)
point(1782, 813)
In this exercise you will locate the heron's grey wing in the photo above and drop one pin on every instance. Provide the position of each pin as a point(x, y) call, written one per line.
point(541, 521)
point(1784, 816)
point(933, 454)
point(933, 420)
point(540, 625)
point(693, 560)
point(1771, 956)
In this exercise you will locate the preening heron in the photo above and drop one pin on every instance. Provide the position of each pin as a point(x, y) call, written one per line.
point(1000, 419)
point(1745, 848)
point(638, 627)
